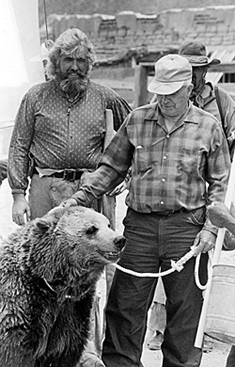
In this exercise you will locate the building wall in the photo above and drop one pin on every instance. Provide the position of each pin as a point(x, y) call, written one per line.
point(116, 6)
point(112, 35)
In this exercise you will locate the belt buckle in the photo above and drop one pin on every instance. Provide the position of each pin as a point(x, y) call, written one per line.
point(67, 172)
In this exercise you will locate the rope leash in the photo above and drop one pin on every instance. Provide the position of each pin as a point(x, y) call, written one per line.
point(209, 271)
point(175, 266)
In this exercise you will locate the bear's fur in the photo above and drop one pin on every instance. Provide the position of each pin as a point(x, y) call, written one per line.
point(48, 273)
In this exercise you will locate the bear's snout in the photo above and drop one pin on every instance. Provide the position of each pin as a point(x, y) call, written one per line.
point(120, 242)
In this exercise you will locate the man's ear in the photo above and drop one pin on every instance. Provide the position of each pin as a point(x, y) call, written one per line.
point(190, 89)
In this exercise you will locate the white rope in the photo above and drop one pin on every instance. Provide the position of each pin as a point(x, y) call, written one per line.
point(143, 275)
point(178, 265)
point(175, 266)
point(209, 271)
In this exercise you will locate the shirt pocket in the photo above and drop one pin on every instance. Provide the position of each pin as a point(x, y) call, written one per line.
point(144, 158)
point(190, 161)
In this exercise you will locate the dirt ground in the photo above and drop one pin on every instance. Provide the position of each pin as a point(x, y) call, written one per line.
point(216, 358)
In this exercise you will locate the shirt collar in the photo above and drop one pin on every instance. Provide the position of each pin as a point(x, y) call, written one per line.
point(155, 114)
point(192, 115)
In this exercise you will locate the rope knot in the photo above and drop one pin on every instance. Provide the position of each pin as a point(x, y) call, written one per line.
point(176, 265)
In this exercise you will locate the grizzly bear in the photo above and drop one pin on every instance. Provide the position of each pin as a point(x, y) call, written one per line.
point(48, 272)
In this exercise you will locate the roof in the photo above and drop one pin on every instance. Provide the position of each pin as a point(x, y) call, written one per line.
point(225, 56)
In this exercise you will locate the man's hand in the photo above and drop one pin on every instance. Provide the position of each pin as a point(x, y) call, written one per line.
point(20, 208)
point(68, 203)
point(204, 242)
point(118, 189)
point(218, 214)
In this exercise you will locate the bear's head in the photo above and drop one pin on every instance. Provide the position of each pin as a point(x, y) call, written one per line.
point(72, 242)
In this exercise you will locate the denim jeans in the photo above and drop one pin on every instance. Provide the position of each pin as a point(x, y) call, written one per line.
point(152, 242)
point(231, 357)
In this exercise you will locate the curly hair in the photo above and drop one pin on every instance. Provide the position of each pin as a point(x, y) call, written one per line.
point(69, 42)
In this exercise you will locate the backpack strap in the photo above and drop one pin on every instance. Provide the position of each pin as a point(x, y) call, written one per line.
point(217, 97)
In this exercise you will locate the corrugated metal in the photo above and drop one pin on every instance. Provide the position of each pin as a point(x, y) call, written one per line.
point(225, 56)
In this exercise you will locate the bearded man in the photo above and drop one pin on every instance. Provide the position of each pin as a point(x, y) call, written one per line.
point(59, 130)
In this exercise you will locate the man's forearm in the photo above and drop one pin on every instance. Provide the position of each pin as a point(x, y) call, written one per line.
point(97, 184)
point(230, 224)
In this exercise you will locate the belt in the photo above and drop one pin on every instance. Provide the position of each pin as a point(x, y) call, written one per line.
point(68, 174)
point(168, 213)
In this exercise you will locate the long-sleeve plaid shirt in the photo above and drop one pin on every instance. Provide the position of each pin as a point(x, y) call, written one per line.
point(186, 167)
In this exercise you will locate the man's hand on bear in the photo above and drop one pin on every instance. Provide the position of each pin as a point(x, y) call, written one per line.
point(68, 203)
point(20, 210)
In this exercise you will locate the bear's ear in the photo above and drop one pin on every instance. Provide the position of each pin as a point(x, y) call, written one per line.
point(42, 224)
point(56, 213)
point(50, 219)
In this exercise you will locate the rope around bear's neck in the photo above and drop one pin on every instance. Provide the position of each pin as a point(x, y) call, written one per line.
point(176, 266)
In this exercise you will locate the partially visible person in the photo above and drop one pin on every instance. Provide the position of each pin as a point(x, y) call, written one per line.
point(179, 163)
point(59, 132)
point(222, 217)
point(45, 49)
point(157, 318)
point(205, 95)
point(3, 170)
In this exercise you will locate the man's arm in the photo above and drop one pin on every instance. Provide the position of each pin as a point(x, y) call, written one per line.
point(18, 155)
point(119, 106)
point(216, 175)
point(228, 111)
point(113, 169)
point(221, 217)
point(18, 160)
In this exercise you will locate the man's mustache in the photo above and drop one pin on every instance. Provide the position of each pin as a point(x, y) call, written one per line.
point(74, 74)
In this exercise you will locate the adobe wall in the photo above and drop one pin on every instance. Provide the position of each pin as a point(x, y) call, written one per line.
point(111, 34)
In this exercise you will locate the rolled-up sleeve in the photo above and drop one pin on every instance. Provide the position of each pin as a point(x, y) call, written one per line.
point(112, 169)
point(217, 171)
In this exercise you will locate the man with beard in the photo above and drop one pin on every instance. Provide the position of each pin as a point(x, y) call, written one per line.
point(212, 99)
point(59, 134)
point(60, 128)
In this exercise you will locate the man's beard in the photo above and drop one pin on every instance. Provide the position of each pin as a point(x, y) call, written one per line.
point(73, 84)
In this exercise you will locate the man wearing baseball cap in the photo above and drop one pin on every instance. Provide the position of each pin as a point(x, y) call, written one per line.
point(180, 163)
point(212, 99)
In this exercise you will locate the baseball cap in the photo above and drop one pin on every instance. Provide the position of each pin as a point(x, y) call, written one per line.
point(171, 71)
point(195, 52)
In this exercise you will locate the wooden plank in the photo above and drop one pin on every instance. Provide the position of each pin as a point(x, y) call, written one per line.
point(141, 80)
point(223, 68)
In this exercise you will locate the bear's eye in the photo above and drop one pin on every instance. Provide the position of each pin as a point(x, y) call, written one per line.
point(91, 230)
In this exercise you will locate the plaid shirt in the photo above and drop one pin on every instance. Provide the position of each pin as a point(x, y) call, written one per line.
point(60, 133)
point(209, 104)
point(170, 170)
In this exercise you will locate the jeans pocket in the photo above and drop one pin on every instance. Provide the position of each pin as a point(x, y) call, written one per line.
point(198, 216)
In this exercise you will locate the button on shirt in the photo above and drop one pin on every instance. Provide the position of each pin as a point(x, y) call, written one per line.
point(61, 133)
point(169, 169)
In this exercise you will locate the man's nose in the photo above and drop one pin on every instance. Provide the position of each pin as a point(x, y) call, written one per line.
point(74, 65)
point(165, 97)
